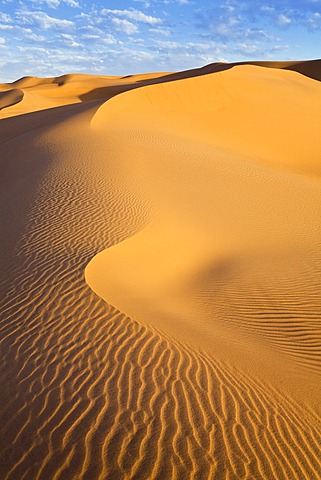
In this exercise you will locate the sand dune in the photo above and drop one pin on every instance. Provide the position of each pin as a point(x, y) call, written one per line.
point(10, 97)
point(190, 203)
point(44, 93)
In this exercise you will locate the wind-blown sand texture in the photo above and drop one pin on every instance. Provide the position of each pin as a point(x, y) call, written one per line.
point(161, 274)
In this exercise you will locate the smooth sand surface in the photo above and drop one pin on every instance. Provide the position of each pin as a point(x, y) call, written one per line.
point(161, 274)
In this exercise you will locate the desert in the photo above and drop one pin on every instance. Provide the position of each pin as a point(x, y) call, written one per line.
point(161, 273)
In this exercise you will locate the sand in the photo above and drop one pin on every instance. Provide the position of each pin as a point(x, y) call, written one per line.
point(160, 280)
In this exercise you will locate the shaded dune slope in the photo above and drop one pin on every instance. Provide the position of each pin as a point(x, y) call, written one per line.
point(10, 97)
point(92, 393)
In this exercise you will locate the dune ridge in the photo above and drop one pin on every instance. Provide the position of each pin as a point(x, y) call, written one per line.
point(74, 88)
point(207, 365)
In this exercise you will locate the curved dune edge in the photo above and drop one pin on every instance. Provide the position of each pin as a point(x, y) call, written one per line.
point(73, 88)
point(46, 93)
point(10, 97)
point(86, 391)
point(235, 243)
point(228, 110)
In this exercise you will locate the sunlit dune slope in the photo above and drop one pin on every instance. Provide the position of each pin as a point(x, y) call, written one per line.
point(160, 275)
point(235, 241)
point(266, 114)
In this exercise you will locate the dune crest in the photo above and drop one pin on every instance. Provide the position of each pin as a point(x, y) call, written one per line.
point(228, 110)
point(160, 275)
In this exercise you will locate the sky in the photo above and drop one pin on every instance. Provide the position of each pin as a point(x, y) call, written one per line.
point(48, 38)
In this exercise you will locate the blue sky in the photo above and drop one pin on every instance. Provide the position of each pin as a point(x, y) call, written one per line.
point(114, 37)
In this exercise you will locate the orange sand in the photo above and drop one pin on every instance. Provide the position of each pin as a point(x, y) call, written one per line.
point(161, 275)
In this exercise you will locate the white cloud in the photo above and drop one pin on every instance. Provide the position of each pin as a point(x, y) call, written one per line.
point(146, 3)
point(30, 35)
point(56, 3)
point(169, 45)
point(35, 37)
point(124, 26)
point(267, 9)
point(72, 3)
point(108, 39)
point(2, 40)
point(50, 3)
point(160, 31)
point(92, 30)
point(134, 15)
point(5, 18)
point(70, 41)
point(279, 48)
point(103, 38)
point(227, 28)
point(283, 20)
point(244, 48)
point(179, 2)
point(44, 21)
point(314, 21)
point(5, 26)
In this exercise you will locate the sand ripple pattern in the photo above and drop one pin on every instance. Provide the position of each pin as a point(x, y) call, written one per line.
point(283, 308)
point(88, 393)
point(109, 398)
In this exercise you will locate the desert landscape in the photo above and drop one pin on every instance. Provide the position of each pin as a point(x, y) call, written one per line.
point(161, 274)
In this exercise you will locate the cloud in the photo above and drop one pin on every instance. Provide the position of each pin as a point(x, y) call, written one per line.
point(236, 21)
point(35, 37)
point(108, 39)
point(189, 49)
point(92, 30)
point(179, 2)
point(267, 9)
point(279, 48)
point(133, 15)
point(314, 21)
point(56, 3)
point(2, 40)
point(69, 40)
point(44, 21)
point(160, 31)
point(72, 3)
point(5, 18)
point(103, 38)
point(91, 18)
point(224, 29)
point(187, 55)
point(246, 49)
point(284, 20)
point(125, 26)
point(169, 45)
point(146, 3)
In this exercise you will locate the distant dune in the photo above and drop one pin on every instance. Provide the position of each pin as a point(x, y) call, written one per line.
point(161, 272)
